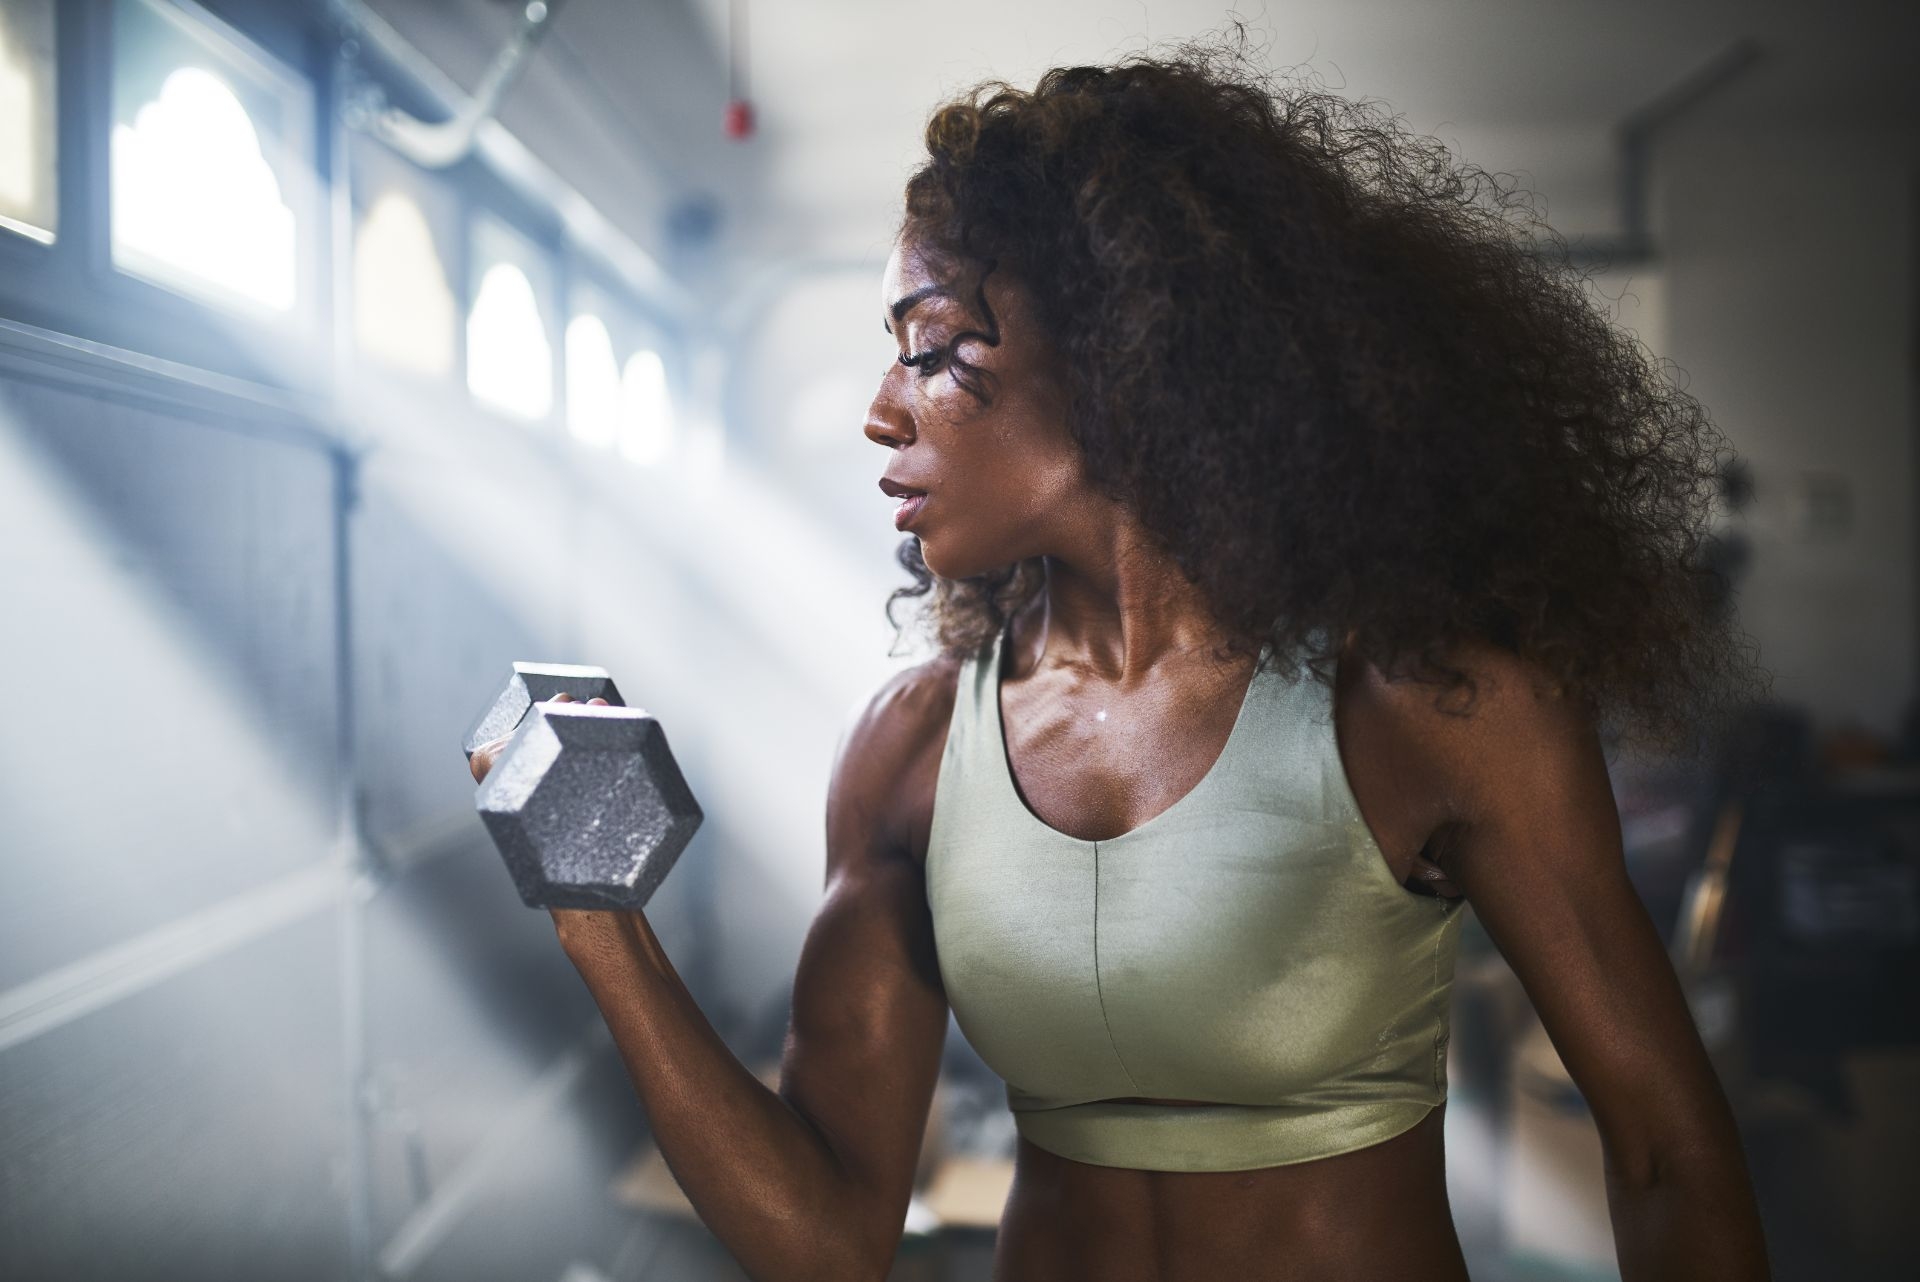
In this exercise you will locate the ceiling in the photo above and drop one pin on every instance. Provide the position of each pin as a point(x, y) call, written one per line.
point(842, 87)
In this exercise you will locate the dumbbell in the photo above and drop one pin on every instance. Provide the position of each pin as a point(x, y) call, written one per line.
point(586, 803)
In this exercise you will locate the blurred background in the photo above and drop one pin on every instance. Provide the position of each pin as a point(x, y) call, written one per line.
point(350, 351)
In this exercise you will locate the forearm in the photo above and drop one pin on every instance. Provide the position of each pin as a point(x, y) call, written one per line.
point(1687, 1220)
point(758, 1174)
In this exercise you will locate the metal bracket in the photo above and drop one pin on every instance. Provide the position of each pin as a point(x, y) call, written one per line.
point(438, 146)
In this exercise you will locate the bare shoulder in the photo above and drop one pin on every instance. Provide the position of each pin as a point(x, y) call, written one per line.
point(888, 759)
point(1507, 689)
point(1516, 702)
point(1515, 721)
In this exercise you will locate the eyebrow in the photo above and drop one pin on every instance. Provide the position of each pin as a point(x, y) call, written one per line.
point(902, 306)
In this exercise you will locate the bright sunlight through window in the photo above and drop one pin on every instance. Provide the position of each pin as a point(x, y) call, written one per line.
point(509, 360)
point(646, 418)
point(26, 119)
point(404, 311)
point(195, 204)
point(593, 382)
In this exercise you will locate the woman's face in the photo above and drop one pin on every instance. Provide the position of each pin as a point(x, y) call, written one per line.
point(1000, 479)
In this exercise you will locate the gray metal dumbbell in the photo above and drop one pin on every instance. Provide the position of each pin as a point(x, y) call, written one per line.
point(586, 802)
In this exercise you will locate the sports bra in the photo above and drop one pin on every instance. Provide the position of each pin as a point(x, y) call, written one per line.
point(1248, 946)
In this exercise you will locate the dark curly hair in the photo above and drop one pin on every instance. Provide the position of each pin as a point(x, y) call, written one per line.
point(1353, 385)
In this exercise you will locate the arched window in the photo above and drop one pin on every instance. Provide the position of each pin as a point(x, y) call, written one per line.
point(509, 348)
point(404, 311)
point(207, 140)
point(646, 420)
point(27, 188)
point(593, 381)
point(509, 360)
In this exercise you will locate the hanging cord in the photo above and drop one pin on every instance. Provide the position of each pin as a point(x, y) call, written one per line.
point(739, 116)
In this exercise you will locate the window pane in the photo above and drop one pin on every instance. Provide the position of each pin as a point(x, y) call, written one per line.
point(593, 381)
point(206, 146)
point(27, 185)
point(403, 309)
point(509, 353)
point(646, 420)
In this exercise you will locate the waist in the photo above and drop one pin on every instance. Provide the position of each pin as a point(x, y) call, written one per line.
point(1380, 1212)
point(1187, 1136)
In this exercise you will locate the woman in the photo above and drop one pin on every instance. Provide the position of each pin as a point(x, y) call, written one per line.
point(1291, 525)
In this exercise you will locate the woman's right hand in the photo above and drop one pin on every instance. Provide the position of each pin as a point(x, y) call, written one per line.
point(489, 752)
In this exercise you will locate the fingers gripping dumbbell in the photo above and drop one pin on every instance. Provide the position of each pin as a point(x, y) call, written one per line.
point(586, 802)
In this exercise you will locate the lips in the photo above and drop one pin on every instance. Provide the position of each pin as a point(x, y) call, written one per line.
point(909, 508)
point(912, 499)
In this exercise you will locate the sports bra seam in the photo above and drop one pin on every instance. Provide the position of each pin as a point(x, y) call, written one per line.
point(1099, 989)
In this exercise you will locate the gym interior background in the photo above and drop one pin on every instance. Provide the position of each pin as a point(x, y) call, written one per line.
point(332, 380)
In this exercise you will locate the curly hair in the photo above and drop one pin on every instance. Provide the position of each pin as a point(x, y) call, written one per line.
point(1352, 385)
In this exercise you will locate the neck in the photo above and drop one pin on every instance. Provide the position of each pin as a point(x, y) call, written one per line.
point(1131, 614)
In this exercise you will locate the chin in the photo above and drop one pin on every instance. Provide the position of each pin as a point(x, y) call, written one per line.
point(935, 554)
point(947, 564)
point(930, 554)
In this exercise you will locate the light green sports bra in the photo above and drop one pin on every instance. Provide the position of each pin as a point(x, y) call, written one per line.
point(1247, 946)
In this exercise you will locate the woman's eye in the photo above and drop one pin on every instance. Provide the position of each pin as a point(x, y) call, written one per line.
point(924, 361)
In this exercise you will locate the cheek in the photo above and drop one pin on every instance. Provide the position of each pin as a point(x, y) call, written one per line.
point(942, 401)
point(956, 432)
point(1017, 448)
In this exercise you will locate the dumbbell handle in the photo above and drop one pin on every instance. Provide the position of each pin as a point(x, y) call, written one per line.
point(482, 759)
point(532, 683)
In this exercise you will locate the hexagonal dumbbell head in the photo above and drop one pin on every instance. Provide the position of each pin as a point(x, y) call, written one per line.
point(588, 807)
point(531, 683)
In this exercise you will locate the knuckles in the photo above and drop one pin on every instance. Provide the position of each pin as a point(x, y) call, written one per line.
point(487, 753)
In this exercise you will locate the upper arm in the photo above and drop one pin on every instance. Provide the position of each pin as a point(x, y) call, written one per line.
point(1538, 854)
point(869, 1015)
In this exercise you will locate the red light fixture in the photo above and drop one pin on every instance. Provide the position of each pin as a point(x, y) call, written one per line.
point(737, 121)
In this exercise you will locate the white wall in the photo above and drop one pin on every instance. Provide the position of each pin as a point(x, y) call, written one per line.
point(1788, 252)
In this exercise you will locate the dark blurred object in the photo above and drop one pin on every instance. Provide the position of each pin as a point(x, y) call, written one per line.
point(1736, 485)
point(1823, 932)
point(1796, 934)
point(1812, 984)
point(1769, 748)
point(1849, 748)
point(1726, 556)
point(1796, 929)
point(1843, 892)
point(1907, 748)
point(1726, 552)
point(1671, 809)
point(693, 222)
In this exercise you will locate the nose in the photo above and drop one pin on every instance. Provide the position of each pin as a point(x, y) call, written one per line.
point(888, 422)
